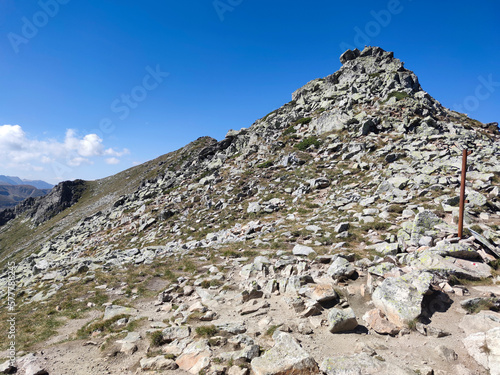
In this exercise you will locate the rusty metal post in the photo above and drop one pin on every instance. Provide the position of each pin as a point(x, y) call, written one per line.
point(462, 194)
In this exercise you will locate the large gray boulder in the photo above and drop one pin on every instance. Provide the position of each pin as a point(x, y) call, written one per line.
point(462, 249)
point(447, 266)
point(302, 250)
point(287, 357)
point(400, 298)
point(176, 333)
point(340, 269)
point(341, 320)
point(319, 292)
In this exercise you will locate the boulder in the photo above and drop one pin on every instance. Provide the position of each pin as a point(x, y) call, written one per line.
point(8, 367)
point(484, 347)
point(381, 269)
point(400, 298)
point(129, 343)
point(341, 320)
point(377, 321)
point(302, 250)
point(237, 370)
point(461, 250)
point(319, 292)
point(175, 333)
point(385, 248)
point(430, 261)
point(481, 322)
point(340, 269)
point(30, 364)
point(157, 363)
point(254, 207)
point(342, 227)
point(286, 357)
point(195, 358)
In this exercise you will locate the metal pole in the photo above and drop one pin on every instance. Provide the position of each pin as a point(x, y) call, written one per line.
point(462, 194)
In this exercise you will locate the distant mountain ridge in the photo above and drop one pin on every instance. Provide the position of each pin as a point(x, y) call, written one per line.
point(14, 190)
point(13, 180)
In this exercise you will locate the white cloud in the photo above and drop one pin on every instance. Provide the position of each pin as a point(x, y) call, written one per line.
point(20, 151)
point(112, 152)
point(76, 162)
point(112, 161)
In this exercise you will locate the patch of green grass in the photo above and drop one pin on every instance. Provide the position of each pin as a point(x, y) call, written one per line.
point(269, 114)
point(187, 266)
point(231, 254)
point(376, 225)
point(206, 331)
point(312, 205)
point(156, 339)
point(270, 331)
point(412, 324)
point(278, 245)
point(100, 326)
point(476, 228)
point(290, 130)
point(483, 304)
point(495, 264)
point(399, 95)
point(396, 208)
point(454, 280)
point(307, 142)
point(304, 120)
point(210, 283)
point(265, 164)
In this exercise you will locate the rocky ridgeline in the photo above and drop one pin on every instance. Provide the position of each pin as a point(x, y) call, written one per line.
point(340, 208)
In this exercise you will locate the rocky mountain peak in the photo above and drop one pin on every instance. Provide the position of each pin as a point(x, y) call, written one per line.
point(371, 75)
point(374, 62)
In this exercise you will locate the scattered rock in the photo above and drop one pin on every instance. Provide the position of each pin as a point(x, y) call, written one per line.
point(341, 320)
point(286, 357)
point(301, 250)
point(340, 269)
point(157, 363)
point(400, 298)
point(379, 323)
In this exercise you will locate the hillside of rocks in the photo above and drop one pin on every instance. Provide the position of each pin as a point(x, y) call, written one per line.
point(322, 239)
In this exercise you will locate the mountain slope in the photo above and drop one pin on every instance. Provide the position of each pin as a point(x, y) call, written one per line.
point(345, 196)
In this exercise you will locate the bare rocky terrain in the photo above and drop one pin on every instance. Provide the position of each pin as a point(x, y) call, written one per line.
point(320, 240)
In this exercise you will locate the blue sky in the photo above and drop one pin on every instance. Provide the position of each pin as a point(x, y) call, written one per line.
point(91, 87)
